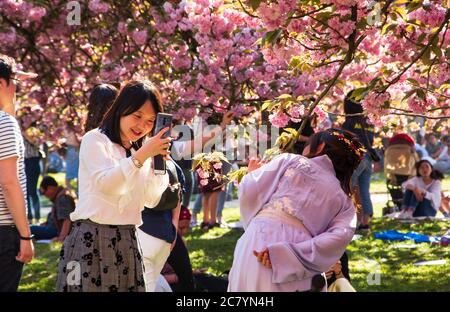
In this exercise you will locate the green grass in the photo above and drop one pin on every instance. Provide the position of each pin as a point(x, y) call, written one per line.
point(214, 249)
point(40, 274)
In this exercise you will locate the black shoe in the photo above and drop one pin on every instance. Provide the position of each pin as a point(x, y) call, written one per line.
point(363, 228)
point(213, 225)
point(205, 226)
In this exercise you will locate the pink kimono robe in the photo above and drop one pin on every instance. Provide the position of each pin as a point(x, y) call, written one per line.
point(305, 189)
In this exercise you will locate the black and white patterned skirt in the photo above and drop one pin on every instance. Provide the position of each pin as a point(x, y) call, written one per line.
point(100, 258)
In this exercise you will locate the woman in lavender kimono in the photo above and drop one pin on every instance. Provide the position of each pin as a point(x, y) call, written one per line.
point(298, 215)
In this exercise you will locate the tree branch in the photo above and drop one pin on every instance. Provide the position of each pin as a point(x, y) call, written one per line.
point(352, 46)
point(418, 56)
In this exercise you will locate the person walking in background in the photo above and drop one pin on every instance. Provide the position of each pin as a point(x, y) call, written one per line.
point(183, 151)
point(443, 159)
point(72, 155)
point(33, 171)
point(185, 161)
point(100, 100)
point(15, 244)
point(361, 177)
point(433, 145)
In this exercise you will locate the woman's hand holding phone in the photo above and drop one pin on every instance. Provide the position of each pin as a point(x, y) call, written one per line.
point(156, 145)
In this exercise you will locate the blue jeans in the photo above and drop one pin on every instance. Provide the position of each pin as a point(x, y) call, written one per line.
point(72, 162)
point(220, 203)
point(361, 177)
point(32, 171)
point(43, 231)
point(421, 209)
point(197, 204)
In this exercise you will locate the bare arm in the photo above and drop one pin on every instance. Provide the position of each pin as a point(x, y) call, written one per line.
point(15, 201)
point(14, 196)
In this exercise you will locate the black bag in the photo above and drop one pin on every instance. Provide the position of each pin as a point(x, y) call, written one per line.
point(205, 282)
point(374, 154)
point(172, 195)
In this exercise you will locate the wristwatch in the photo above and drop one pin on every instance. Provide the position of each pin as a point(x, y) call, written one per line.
point(136, 162)
point(27, 238)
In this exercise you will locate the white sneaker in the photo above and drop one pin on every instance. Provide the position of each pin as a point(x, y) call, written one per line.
point(408, 214)
point(402, 213)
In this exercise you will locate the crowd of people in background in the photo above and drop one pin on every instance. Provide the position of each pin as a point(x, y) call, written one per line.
point(124, 224)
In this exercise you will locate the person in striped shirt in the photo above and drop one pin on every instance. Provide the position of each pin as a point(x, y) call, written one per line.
point(16, 247)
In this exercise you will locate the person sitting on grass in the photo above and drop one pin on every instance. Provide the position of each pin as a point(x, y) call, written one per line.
point(58, 223)
point(422, 195)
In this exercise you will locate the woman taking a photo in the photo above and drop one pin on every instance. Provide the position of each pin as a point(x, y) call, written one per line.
point(116, 182)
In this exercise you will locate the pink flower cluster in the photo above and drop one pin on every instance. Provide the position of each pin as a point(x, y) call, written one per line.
point(279, 119)
point(419, 106)
point(98, 6)
point(432, 14)
point(37, 13)
point(375, 103)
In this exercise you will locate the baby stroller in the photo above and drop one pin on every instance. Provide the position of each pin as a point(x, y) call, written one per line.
point(399, 165)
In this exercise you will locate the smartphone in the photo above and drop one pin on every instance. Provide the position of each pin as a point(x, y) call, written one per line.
point(162, 121)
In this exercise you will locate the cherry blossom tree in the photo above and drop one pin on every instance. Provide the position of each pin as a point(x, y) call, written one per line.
point(289, 58)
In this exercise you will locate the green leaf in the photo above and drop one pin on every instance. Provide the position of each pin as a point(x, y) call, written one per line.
point(437, 51)
point(413, 81)
point(388, 27)
point(295, 61)
point(410, 28)
point(401, 11)
point(409, 93)
point(285, 97)
point(359, 93)
point(269, 105)
point(413, 5)
point(254, 3)
point(421, 37)
point(291, 131)
point(421, 94)
point(271, 37)
point(426, 57)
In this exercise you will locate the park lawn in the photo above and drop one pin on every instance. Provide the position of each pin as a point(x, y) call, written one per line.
point(213, 250)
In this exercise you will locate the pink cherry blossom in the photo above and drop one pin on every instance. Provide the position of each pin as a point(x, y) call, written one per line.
point(279, 119)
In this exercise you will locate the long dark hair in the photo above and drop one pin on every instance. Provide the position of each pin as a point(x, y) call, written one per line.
point(101, 98)
point(344, 150)
point(130, 99)
point(435, 174)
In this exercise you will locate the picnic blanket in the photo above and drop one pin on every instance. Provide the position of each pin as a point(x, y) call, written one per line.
point(392, 235)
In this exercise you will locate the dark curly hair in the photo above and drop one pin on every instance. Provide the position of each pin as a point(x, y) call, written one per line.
point(344, 150)
point(101, 98)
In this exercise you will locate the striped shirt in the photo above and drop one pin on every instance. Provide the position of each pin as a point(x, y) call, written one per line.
point(31, 150)
point(11, 145)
